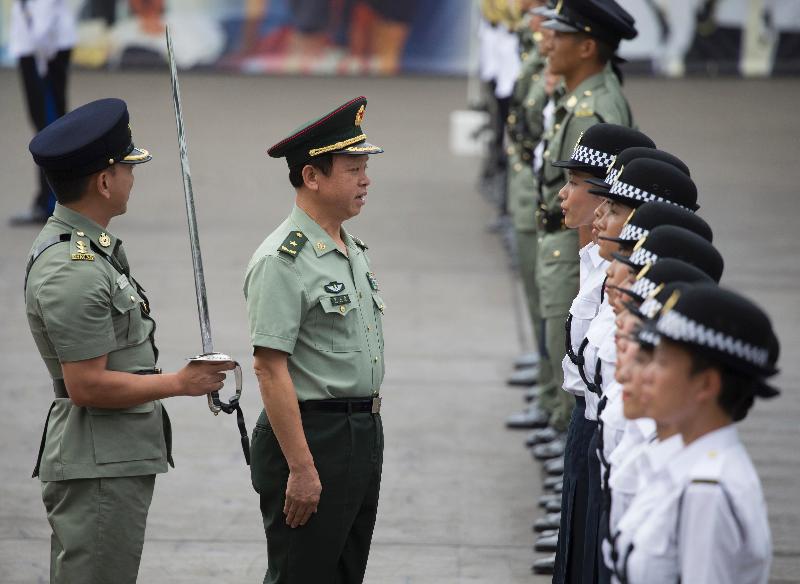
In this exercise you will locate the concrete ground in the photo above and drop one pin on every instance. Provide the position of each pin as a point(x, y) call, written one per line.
point(459, 490)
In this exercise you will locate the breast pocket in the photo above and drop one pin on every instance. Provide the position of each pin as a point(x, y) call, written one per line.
point(337, 325)
point(129, 326)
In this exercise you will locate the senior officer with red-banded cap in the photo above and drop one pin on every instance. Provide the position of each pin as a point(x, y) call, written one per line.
point(315, 315)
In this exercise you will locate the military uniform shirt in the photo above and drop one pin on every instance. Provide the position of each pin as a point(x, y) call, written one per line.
point(320, 306)
point(703, 518)
point(79, 307)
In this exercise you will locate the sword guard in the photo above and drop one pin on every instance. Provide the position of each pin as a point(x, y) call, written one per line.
point(215, 404)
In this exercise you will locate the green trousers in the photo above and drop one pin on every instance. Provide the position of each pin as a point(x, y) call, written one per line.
point(334, 545)
point(97, 527)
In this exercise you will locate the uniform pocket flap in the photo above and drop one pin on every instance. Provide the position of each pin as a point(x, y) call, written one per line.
point(144, 408)
point(341, 304)
point(378, 302)
point(125, 300)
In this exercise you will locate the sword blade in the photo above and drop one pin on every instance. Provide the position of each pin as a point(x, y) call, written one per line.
point(194, 237)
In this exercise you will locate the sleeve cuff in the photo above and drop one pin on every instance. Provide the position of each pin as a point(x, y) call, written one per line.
point(274, 342)
point(86, 350)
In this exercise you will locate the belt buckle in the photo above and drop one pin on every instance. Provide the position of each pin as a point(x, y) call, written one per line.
point(376, 405)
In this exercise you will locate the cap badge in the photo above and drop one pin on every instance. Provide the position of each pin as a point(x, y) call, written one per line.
point(360, 115)
point(656, 291)
point(559, 6)
point(572, 101)
point(334, 287)
point(643, 271)
point(671, 302)
point(630, 216)
point(104, 239)
point(639, 244)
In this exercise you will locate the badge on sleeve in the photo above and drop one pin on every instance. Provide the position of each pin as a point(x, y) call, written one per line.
point(334, 287)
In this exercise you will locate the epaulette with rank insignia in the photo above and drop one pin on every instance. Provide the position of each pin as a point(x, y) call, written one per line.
point(359, 242)
point(80, 247)
point(293, 243)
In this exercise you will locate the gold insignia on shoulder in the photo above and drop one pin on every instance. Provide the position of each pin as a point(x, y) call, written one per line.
point(80, 233)
point(360, 115)
point(643, 271)
point(572, 101)
point(81, 246)
point(630, 216)
point(671, 302)
point(584, 112)
point(321, 246)
point(587, 93)
point(104, 239)
point(293, 243)
point(639, 244)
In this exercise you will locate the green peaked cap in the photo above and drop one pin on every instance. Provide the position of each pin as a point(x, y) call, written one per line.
point(337, 132)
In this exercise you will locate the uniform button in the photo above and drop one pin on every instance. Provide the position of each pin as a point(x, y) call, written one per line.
point(510, 150)
point(369, 328)
point(557, 253)
point(342, 309)
point(524, 56)
point(535, 77)
point(547, 154)
point(375, 359)
point(133, 299)
point(79, 233)
point(587, 93)
point(517, 167)
point(557, 127)
point(512, 119)
point(531, 102)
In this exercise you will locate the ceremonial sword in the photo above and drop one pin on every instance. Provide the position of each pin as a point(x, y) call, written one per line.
point(215, 404)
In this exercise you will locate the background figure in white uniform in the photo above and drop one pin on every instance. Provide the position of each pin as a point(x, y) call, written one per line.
point(703, 518)
point(42, 36)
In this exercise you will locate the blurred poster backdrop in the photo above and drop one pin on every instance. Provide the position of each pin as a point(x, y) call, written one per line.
point(386, 37)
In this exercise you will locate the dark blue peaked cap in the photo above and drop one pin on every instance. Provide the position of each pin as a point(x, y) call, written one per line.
point(87, 140)
point(605, 20)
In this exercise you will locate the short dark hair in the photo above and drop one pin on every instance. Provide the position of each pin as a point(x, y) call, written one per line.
point(737, 392)
point(70, 189)
point(323, 163)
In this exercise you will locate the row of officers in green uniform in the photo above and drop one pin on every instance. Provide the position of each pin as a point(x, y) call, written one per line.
point(644, 362)
point(315, 314)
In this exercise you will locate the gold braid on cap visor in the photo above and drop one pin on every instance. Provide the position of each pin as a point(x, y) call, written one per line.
point(338, 145)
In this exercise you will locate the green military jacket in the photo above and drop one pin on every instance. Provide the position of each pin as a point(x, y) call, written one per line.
point(597, 99)
point(322, 307)
point(82, 304)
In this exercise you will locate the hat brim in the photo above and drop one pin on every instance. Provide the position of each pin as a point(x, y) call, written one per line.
point(625, 260)
point(559, 26)
point(573, 165)
point(634, 309)
point(543, 11)
point(598, 182)
point(626, 291)
point(360, 149)
point(617, 240)
point(137, 156)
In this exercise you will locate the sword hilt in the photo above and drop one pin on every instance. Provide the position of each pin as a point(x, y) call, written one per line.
point(215, 404)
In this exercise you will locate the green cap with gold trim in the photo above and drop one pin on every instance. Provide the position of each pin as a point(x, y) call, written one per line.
point(337, 132)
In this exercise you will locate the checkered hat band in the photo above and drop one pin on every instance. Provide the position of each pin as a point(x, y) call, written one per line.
point(642, 257)
point(649, 337)
point(680, 328)
point(633, 233)
point(624, 189)
point(611, 176)
point(592, 157)
point(643, 287)
point(650, 307)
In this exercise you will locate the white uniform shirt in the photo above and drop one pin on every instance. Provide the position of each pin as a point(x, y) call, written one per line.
point(41, 28)
point(583, 310)
point(508, 61)
point(702, 519)
point(548, 117)
point(601, 327)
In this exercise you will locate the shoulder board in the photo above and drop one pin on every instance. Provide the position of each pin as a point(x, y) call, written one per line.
point(80, 247)
point(293, 243)
point(359, 242)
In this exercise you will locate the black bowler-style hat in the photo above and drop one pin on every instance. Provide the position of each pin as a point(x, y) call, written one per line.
point(670, 241)
point(598, 146)
point(645, 179)
point(723, 325)
point(604, 20)
point(87, 140)
point(337, 132)
point(653, 277)
point(650, 215)
point(629, 154)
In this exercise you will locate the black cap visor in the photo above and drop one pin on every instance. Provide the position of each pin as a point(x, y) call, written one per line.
point(360, 149)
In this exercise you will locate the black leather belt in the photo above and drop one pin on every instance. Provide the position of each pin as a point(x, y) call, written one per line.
point(60, 389)
point(343, 406)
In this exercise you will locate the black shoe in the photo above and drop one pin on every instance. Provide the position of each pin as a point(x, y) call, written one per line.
point(554, 466)
point(524, 377)
point(546, 543)
point(531, 418)
point(550, 483)
point(531, 394)
point(28, 218)
point(549, 450)
point(544, 565)
point(541, 436)
point(548, 522)
point(545, 499)
point(527, 360)
point(553, 506)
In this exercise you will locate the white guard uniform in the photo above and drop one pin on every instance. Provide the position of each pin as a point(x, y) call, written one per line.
point(602, 326)
point(701, 520)
point(41, 28)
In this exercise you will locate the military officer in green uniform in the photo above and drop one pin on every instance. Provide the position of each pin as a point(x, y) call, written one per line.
point(315, 312)
point(524, 130)
point(107, 434)
point(587, 34)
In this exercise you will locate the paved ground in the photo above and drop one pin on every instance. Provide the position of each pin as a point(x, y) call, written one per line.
point(459, 490)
